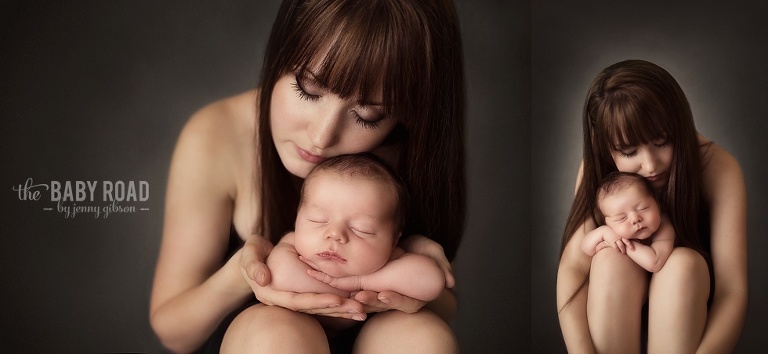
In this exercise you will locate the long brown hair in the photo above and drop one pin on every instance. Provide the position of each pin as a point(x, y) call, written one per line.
point(416, 45)
point(636, 102)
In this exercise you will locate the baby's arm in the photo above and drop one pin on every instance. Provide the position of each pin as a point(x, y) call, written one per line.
point(289, 273)
point(593, 239)
point(409, 274)
point(652, 257)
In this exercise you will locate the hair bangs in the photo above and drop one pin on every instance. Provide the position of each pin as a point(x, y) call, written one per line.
point(352, 49)
point(372, 51)
point(627, 120)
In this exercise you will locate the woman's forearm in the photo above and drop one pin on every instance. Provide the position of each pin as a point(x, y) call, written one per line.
point(184, 322)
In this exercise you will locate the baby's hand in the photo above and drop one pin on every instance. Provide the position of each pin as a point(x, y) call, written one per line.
point(615, 241)
point(630, 244)
point(350, 283)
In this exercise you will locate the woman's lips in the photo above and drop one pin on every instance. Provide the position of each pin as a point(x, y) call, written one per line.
point(306, 156)
point(655, 178)
point(330, 255)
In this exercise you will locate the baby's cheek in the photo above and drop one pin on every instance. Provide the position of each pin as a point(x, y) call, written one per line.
point(625, 232)
point(302, 246)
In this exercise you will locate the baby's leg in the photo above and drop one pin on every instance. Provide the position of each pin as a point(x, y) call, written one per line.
point(273, 329)
point(616, 293)
point(677, 304)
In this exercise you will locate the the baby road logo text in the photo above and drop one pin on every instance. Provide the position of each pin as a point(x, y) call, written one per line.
point(67, 195)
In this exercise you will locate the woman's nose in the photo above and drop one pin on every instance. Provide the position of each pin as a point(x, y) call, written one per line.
point(323, 130)
point(650, 162)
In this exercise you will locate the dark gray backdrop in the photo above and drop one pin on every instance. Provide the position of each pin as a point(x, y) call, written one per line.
point(99, 91)
point(718, 53)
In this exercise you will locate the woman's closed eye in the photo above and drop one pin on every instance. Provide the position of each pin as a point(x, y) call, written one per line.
point(309, 90)
point(366, 123)
point(626, 151)
point(299, 86)
point(660, 143)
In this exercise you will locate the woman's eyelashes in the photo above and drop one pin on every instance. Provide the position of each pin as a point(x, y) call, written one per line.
point(367, 124)
point(626, 151)
point(630, 151)
point(302, 92)
point(300, 86)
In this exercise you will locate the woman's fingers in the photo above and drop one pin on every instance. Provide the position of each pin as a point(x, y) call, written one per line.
point(425, 246)
point(450, 281)
point(252, 256)
point(315, 304)
point(328, 305)
point(388, 300)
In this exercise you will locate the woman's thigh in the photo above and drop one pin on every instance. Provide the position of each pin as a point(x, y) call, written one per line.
point(400, 332)
point(677, 303)
point(273, 329)
point(617, 291)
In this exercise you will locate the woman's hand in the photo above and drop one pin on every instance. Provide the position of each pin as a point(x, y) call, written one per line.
point(388, 300)
point(257, 275)
point(422, 245)
point(252, 257)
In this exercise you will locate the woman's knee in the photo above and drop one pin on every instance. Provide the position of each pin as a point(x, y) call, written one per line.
point(613, 272)
point(400, 332)
point(685, 273)
point(273, 329)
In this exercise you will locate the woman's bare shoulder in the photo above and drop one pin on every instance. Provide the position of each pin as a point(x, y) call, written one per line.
point(216, 143)
point(225, 119)
point(721, 170)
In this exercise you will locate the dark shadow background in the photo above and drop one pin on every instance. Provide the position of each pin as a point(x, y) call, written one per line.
point(97, 91)
point(717, 51)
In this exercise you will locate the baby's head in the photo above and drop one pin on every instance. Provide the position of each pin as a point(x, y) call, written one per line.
point(629, 205)
point(350, 216)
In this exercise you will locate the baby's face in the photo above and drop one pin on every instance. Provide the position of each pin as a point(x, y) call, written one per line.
point(631, 213)
point(345, 225)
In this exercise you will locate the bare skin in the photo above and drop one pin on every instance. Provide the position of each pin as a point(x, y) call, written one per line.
point(211, 187)
point(676, 295)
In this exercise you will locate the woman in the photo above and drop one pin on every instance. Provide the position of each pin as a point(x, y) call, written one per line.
point(637, 119)
point(338, 77)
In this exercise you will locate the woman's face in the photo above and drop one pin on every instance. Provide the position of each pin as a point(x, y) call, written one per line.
point(652, 161)
point(310, 123)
